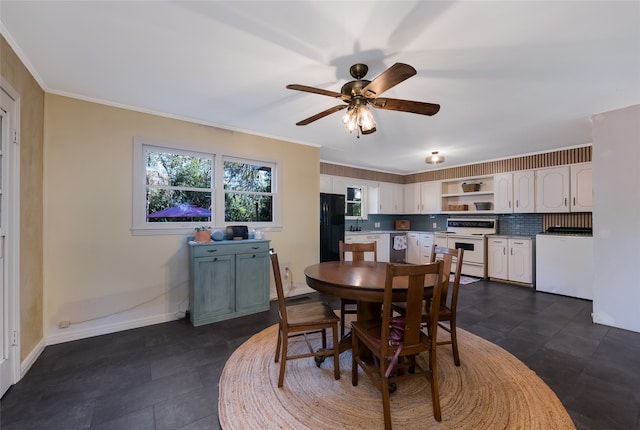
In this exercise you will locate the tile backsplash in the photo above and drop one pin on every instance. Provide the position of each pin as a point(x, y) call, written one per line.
point(512, 224)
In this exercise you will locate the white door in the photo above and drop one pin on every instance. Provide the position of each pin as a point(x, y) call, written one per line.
point(8, 347)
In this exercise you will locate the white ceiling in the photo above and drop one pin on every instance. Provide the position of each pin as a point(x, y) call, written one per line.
point(512, 77)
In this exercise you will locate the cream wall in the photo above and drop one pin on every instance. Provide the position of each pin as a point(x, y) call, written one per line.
point(97, 274)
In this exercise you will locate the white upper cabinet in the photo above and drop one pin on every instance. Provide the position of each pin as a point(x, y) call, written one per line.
point(552, 189)
point(422, 198)
point(581, 187)
point(326, 184)
point(412, 198)
point(515, 192)
point(565, 188)
point(430, 197)
point(503, 189)
point(387, 198)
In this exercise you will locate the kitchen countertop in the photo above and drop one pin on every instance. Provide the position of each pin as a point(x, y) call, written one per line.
point(513, 236)
point(385, 231)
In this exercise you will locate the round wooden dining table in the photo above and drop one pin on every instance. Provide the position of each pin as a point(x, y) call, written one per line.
point(362, 281)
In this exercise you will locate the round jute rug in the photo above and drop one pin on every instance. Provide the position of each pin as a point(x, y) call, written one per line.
point(490, 390)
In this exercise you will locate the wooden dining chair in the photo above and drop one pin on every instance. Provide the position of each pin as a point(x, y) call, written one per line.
point(449, 295)
point(302, 320)
point(396, 341)
point(449, 299)
point(358, 253)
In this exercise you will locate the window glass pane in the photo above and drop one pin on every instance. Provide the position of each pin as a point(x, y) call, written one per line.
point(178, 206)
point(354, 209)
point(248, 207)
point(247, 177)
point(179, 186)
point(164, 168)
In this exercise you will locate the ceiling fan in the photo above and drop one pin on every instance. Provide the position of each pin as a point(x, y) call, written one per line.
point(360, 93)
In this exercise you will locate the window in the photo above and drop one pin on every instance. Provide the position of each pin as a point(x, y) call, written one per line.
point(179, 186)
point(175, 190)
point(248, 191)
point(354, 202)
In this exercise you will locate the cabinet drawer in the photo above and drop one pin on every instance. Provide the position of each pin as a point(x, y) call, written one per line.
point(230, 247)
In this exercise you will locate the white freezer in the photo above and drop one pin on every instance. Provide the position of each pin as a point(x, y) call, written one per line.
point(564, 265)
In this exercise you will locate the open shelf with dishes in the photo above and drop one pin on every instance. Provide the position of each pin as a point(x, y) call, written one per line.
point(468, 195)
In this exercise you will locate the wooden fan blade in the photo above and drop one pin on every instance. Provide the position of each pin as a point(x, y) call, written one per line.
point(321, 115)
point(388, 79)
point(320, 91)
point(405, 106)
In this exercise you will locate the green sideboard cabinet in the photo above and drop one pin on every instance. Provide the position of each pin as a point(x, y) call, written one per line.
point(227, 279)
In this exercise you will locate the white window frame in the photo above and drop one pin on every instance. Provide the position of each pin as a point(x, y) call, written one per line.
point(274, 189)
point(140, 225)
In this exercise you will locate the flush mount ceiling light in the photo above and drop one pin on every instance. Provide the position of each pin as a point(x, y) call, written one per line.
point(434, 158)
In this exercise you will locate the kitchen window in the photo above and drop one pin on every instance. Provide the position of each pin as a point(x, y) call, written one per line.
point(354, 202)
point(177, 189)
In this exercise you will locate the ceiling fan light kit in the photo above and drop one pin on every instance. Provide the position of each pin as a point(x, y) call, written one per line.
point(360, 93)
point(434, 158)
point(359, 118)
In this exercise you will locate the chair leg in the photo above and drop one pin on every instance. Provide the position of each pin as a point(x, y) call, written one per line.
point(454, 342)
point(386, 401)
point(278, 344)
point(283, 360)
point(324, 338)
point(336, 353)
point(435, 392)
point(342, 308)
point(354, 363)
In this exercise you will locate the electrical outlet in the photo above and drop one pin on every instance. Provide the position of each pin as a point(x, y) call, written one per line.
point(64, 324)
point(286, 271)
point(435, 225)
point(377, 225)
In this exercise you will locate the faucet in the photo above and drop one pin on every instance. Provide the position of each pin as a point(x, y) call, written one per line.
point(357, 228)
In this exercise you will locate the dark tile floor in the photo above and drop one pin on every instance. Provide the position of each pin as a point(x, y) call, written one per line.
point(165, 376)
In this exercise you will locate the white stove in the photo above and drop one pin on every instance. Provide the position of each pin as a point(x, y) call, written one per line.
point(469, 234)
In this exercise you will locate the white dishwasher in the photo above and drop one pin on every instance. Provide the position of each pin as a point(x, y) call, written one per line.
point(564, 264)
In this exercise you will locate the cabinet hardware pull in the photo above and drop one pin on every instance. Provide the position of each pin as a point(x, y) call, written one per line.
point(517, 203)
point(565, 201)
point(509, 204)
point(255, 247)
point(574, 201)
point(212, 250)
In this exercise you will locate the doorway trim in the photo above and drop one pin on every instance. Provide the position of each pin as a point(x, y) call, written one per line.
point(13, 237)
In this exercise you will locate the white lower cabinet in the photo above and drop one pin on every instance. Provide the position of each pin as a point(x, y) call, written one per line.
point(426, 243)
point(511, 259)
point(382, 243)
point(413, 248)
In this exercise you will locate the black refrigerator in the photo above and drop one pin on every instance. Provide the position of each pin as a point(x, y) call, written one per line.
point(331, 225)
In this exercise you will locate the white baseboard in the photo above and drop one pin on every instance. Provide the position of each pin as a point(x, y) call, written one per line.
point(82, 333)
point(26, 364)
point(295, 290)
